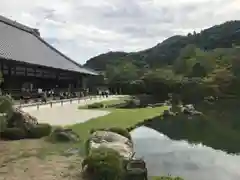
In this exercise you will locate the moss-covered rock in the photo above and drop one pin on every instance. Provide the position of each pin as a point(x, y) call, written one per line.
point(121, 131)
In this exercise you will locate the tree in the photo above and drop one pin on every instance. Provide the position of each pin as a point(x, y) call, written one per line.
point(205, 59)
point(235, 61)
point(220, 81)
point(186, 60)
point(123, 72)
point(198, 71)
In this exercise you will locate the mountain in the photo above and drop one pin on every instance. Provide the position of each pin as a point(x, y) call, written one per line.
point(224, 35)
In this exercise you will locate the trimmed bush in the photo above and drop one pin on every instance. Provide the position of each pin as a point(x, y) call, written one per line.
point(63, 135)
point(13, 134)
point(96, 106)
point(133, 103)
point(121, 131)
point(40, 130)
point(103, 164)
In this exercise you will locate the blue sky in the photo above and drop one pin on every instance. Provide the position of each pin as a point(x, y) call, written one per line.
point(83, 29)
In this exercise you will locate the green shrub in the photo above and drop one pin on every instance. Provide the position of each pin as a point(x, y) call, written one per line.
point(96, 106)
point(103, 164)
point(63, 135)
point(87, 146)
point(3, 123)
point(133, 103)
point(13, 134)
point(121, 131)
point(6, 106)
point(40, 130)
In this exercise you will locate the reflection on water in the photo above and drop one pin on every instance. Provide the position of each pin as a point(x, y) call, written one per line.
point(178, 158)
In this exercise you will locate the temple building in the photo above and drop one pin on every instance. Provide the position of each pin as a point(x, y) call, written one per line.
point(27, 61)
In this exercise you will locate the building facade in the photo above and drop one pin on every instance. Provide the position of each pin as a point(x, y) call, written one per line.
point(27, 61)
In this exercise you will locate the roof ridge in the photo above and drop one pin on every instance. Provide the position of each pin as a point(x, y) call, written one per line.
point(16, 24)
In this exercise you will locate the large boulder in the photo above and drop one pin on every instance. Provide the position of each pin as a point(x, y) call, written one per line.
point(168, 113)
point(111, 140)
point(190, 110)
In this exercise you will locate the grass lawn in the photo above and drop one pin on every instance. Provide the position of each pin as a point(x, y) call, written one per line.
point(123, 118)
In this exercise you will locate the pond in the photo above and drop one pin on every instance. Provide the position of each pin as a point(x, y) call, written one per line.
point(179, 158)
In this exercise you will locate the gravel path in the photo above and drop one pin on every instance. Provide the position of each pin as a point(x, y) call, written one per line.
point(67, 114)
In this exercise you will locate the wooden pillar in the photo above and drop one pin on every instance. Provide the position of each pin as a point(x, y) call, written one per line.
point(84, 82)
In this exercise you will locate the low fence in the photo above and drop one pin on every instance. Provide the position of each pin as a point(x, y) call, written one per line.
point(50, 103)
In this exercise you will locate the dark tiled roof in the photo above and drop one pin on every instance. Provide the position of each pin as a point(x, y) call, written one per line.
point(24, 44)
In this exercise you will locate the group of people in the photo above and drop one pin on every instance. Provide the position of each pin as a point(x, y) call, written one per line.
point(44, 95)
point(103, 93)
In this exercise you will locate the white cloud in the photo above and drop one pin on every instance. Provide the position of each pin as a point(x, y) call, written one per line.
point(83, 28)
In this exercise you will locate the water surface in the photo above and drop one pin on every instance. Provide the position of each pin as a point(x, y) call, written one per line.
point(179, 158)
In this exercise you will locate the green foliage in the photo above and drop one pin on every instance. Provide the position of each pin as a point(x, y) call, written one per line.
point(6, 111)
point(3, 123)
point(173, 65)
point(103, 164)
point(87, 146)
point(13, 134)
point(133, 103)
point(123, 71)
point(39, 131)
point(64, 135)
point(6, 106)
point(96, 106)
point(220, 82)
point(121, 131)
point(186, 60)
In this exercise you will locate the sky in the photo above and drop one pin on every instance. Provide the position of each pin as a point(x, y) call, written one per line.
point(82, 29)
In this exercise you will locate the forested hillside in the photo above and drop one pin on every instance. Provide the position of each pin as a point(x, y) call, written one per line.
point(196, 66)
point(166, 52)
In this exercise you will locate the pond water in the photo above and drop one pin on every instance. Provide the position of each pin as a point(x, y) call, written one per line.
point(179, 158)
